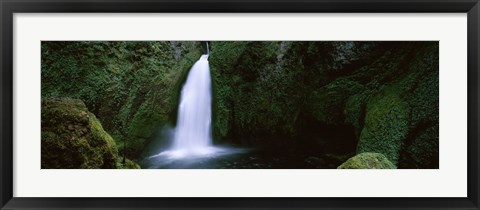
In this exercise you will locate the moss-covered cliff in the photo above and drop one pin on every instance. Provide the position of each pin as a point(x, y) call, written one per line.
point(324, 99)
point(340, 97)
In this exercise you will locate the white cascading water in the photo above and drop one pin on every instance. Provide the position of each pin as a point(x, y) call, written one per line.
point(193, 136)
point(193, 129)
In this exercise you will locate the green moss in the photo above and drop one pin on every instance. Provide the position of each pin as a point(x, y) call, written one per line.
point(424, 100)
point(158, 107)
point(355, 110)
point(104, 141)
point(129, 164)
point(145, 120)
point(74, 138)
point(397, 116)
point(132, 87)
point(223, 57)
point(386, 125)
point(422, 150)
point(249, 78)
point(264, 93)
point(329, 103)
point(144, 123)
point(367, 161)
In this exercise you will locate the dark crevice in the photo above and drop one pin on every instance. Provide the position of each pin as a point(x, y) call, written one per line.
point(320, 137)
point(422, 126)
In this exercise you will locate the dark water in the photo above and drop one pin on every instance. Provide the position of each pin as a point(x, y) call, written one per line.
point(239, 158)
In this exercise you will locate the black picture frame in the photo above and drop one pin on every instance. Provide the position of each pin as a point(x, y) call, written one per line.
point(9, 7)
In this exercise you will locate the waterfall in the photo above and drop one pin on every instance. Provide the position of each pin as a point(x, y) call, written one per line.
point(193, 129)
point(193, 136)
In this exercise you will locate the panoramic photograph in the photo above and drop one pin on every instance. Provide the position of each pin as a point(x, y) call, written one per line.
point(240, 105)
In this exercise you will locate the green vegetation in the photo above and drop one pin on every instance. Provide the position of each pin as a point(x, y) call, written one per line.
point(227, 54)
point(375, 100)
point(368, 160)
point(132, 87)
point(103, 141)
point(386, 126)
point(73, 138)
point(127, 165)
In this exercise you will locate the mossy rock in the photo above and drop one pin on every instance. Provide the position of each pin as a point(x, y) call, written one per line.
point(129, 164)
point(421, 148)
point(328, 104)
point(104, 141)
point(367, 160)
point(243, 77)
point(145, 113)
point(424, 100)
point(355, 109)
point(386, 125)
point(397, 120)
point(144, 123)
point(72, 137)
point(223, 57)
point(422, 151)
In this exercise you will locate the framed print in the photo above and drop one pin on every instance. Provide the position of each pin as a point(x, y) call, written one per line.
point(239, 104)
